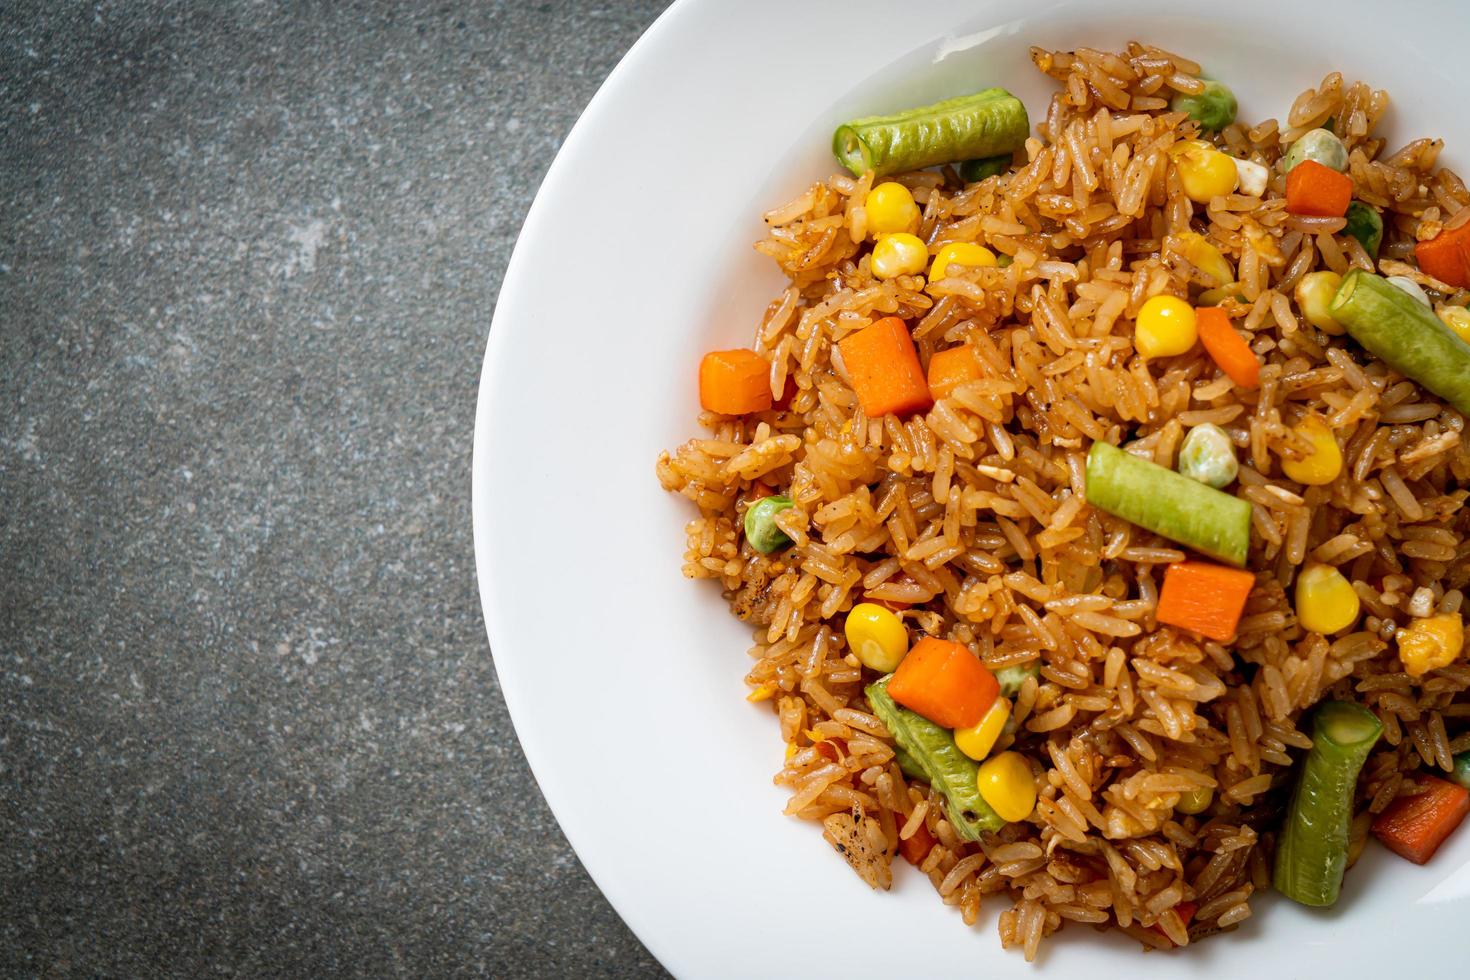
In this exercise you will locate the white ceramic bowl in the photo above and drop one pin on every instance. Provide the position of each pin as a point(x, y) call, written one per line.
point(623, 679)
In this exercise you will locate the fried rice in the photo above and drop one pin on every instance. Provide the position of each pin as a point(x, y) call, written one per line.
point(971, 518)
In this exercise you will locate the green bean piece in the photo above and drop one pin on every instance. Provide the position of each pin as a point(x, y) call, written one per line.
point(1159, 500)
point(932, 751)
point(973, 171)
point(1213, 109)
point(760, 524)
point(1364, 224)
point(1312, 847)
point(987, 124)
point(1404, 334)
point(1321, 145)
point(909, 765)
point(1011, 678)
point(1461, 773)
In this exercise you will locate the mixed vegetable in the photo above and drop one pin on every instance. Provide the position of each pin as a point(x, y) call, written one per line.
point(986, 124)
point(949, 714)
point(1312, 846)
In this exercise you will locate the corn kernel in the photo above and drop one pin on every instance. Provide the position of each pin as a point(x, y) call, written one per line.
point(963, 254)
point(977, 740)
point(1431, 643)
point(899, 255)
point(1165, 327)
point(1006, 783)
point(1205, 257)
point(890, 208)
point(1325, 461)
point(1218, 295)
point(1325, 600)
point(790, 750)
point(1252, 177)
point(762, 693)
point(1314, 296)
point(1195, 801)
point(1457, 318)
point(1204, 172)
point(876, 637)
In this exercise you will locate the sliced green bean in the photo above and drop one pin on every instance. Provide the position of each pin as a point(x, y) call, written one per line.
point(1364, 224)
point(909, 765)
point(931, 750)
point(1404, 334)
point(986, 124)
point(1312, 847)
point(973, 171)
point(1213, 109)
point(1160, 500)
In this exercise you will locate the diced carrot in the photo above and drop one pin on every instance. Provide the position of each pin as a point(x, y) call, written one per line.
point(1226, 347)
point(915, 848)
point(1446, 256)
point(951, 368)
point(1186, 912)
point(1203, 597)
point(1413, 827)
point(758, 491)
point(1318, 190)
point(787, 393)
point(734, 382)
point(945, 682)
point(828, 751)
point(884, 369)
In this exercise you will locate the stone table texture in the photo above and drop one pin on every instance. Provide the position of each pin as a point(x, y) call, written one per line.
point(249, 723)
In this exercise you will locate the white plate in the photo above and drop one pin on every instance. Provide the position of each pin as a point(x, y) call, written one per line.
point(623, 679)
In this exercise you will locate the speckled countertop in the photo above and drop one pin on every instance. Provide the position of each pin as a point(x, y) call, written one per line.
point(248, 718)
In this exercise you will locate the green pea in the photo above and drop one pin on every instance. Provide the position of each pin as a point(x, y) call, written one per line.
point(1003, 260)
point(1320, 145)
point(1011, 678)
point(1208, 456)
point(760, 524)
point(1364, 224)
point(1213, 109)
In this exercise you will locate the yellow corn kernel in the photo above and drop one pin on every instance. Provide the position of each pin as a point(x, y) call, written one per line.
point(1204, 172)
point(762, 693)
point(1006, 783)
point(1195, 801)
point(1325, 461)
point(1205, 257)
point(790, 750)
point(977, 740)
point(1214, 297)
point(960, 253)
point(1431, 643)
point(1457, 318)
point(899, 255)
point(876, 637)
point(1314, 295)
point(890, 208)
point(1165, 327)
point(1325, 600)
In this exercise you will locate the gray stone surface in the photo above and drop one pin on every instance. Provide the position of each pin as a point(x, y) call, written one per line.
point(248, 719)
